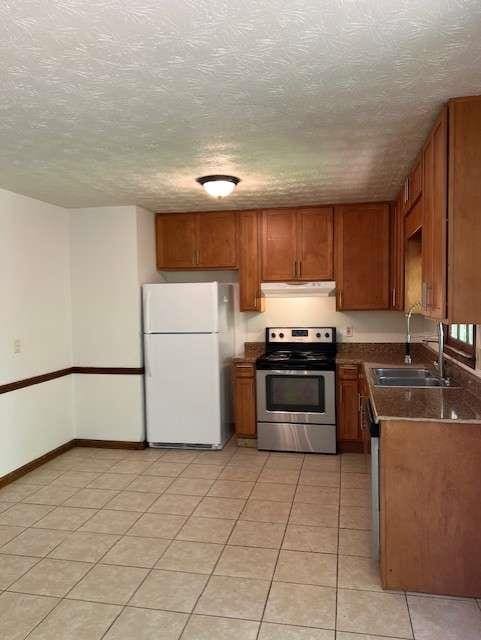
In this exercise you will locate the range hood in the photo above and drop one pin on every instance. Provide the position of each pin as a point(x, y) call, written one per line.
point(298, 290)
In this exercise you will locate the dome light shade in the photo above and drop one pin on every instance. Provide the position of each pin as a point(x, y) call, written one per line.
point(218, 186)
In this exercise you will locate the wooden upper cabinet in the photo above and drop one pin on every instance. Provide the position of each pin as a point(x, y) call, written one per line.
point(362, 233)
point(464, 210)
point(416, 181)
point(249, 262)
point(176, 240)
point(315, 240)
point(279, 250)
point(196, 240)
point(397, 254)
point(434, 243)
point(297, 244)
point(412, 186)
point(217, 240)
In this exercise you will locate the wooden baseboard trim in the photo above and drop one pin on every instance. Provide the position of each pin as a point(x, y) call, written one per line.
point(109, 444)
point(33, 464)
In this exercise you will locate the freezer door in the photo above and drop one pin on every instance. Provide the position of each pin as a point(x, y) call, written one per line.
point(183, 389)
point(190, 307)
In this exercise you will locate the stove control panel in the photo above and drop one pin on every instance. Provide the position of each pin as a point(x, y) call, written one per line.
point(301, 334)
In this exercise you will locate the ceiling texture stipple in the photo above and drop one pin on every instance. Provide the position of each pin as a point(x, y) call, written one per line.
point(106, 102)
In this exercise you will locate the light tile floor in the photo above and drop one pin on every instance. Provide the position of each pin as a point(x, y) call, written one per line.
point(231, 545)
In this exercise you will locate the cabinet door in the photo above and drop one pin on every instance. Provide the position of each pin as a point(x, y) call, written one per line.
point(315, 243)
point(348, 410)
point(362, 256)
point(279, 259)
point(435, 221)
point(244, 402)
point(176, 240)
point(217, 240)
point(249, 262)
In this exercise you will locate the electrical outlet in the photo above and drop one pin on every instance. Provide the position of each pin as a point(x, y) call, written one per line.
point(17, 346)
point(349, 332)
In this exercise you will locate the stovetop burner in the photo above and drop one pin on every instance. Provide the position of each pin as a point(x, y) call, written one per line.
point(299, 348)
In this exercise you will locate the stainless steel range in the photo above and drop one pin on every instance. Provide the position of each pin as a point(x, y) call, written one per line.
point(296, 390)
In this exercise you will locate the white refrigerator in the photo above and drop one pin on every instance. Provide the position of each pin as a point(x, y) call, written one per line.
point(188, 350)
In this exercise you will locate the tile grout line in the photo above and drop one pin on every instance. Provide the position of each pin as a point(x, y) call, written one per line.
point(211, 574)
point(279, 550)
point(336, 603)
point(150, 573)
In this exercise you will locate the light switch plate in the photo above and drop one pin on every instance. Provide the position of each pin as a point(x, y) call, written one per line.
point(349, 332)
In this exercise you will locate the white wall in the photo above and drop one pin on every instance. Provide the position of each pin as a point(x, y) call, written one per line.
point(35, 309)
point(368, 326)
point(113, 253)
point(105, 309)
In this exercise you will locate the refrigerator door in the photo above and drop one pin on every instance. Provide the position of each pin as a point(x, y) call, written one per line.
point(183, 389)
point(190, 307)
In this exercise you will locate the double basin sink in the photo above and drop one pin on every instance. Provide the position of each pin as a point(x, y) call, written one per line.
point(419, 377)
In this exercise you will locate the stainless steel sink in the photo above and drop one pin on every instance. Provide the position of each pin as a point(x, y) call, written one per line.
point(407, 377)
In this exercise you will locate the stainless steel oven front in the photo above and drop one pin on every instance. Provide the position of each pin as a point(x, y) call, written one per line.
point(306, 397)
point(296, 410)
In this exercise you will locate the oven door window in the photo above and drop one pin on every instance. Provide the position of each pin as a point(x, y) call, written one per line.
point(295, 393)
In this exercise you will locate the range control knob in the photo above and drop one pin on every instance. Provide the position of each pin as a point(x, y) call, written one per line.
point(273, 335)
point(318, 335)
point(281, 335)
point(327, 335)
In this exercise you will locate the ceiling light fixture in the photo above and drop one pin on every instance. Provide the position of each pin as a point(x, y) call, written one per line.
point(218, 186)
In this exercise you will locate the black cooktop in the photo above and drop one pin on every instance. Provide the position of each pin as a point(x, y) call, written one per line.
point(308, 349)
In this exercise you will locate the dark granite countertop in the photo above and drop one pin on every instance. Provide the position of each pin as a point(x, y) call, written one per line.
point(448, 404)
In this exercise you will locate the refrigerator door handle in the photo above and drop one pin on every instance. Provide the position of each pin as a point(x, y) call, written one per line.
point(147, 312)
point(147, 370)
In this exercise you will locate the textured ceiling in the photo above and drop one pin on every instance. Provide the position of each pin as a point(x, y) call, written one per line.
point(127, 101)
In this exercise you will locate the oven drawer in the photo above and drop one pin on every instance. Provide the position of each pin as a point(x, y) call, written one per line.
point(307, 438)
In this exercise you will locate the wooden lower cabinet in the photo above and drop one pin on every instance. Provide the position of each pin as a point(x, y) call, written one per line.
point(349, 435)
point(244, 378)
point(430, 512)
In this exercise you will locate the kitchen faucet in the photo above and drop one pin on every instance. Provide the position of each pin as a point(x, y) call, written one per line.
point(407, 357)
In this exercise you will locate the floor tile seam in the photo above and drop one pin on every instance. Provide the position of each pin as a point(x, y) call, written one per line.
point(337, 561)
point(411, 625)
point(77, 490)
point(41, 529)
point(217, 562)
point(17, 578)
point(34, 522)
point(264, 608)
point(60, 600)
point(149, 572)
point(68, 530)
